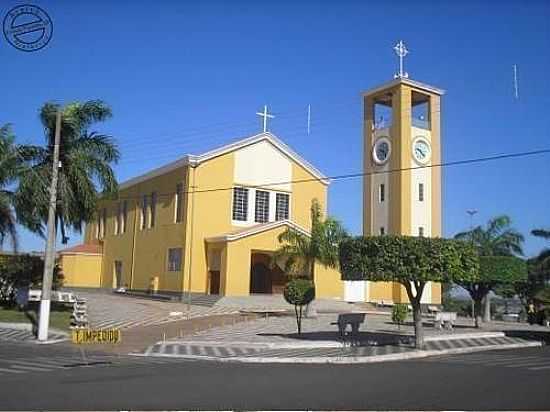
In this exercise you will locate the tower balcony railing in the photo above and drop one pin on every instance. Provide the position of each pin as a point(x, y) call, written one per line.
point(421, 123)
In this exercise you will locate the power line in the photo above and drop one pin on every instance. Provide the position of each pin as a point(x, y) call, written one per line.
point(362, 174)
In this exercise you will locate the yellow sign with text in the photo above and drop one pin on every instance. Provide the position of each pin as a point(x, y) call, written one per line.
point(105, 336)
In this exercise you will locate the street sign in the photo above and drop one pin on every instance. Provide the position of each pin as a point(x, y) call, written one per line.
point(102, 336)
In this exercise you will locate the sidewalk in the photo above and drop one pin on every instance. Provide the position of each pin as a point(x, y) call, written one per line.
point(137, 339)
point(275, 340)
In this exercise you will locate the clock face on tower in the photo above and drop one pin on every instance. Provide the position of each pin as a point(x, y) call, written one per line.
point(421, 150)
point(381, 151)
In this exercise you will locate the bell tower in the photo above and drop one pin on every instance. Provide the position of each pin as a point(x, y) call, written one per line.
point(401, 189)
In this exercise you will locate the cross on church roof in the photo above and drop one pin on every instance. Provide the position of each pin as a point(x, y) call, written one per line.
point(401, 51)
point(265, 116)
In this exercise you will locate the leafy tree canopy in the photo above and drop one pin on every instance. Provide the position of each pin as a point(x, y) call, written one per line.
point(494, 270)
point(407, 259)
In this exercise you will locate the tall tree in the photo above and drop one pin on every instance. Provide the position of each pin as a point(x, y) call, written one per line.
point(494, 272)
point(10, 163)
point(497, 238)
point(543, 259)
point(300, 251)
point(410, 261)
point(84, 168)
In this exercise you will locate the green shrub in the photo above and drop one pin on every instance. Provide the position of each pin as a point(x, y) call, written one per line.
point(399, 313)
point(23, 271)
point(299, 292)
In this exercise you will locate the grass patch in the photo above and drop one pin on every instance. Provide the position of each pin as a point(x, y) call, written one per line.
point(60, 316)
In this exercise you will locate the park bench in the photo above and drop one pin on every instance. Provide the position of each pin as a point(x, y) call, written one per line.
point(354, 320)
point(433, 309)
point(34, 295)
point(445, 318)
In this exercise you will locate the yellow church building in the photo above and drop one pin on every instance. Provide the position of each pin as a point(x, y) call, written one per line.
point(210, 223)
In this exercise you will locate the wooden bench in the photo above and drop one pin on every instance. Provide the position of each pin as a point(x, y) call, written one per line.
point(352, 319)
point(445, 318)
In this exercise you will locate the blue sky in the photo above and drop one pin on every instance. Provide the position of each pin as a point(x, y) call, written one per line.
point(183, 77)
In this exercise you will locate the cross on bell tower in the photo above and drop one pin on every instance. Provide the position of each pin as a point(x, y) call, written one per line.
point(265, 116)
point(401, 51)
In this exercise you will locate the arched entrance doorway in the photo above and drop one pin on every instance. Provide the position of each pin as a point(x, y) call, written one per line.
point(264, 276)
point(260, 278)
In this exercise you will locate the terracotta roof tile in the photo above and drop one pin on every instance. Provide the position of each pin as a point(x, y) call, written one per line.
point(83, 248)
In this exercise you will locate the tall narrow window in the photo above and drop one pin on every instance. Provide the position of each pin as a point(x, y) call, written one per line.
point(240, 204)
point(282, 201)
point(153, 209)
point(382, 231)
point(262, 206)
point(178, 203)
point(117, 218)
point(124, 217)
point(103, 222)
point(143, 212)
point(382, 193)
point(421, 192)
point(421, 231)
point(98, 226)
point(174, 259)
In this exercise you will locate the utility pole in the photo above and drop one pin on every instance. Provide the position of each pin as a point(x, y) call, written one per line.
point(49, 259)
point(472, 213)
point(193, 187)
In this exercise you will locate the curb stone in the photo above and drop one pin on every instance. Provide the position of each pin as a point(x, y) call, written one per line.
point(349, 360)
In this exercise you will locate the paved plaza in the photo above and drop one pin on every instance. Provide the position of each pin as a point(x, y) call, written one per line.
point(109, 310)
point(275, 339)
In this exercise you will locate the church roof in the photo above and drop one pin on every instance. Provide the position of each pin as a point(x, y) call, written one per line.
point(195, 160)
point(408, 82)
point(84, 248)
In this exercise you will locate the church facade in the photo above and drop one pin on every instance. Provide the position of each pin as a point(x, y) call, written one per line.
point(210, 223)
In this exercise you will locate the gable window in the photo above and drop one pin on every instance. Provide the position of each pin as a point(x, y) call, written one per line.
point(153, 210)
point(174, 259)
point(421, 192)
point(382, 193)
point(282, 201)
point(240, 204)
point(262, 206)
point(143, 212)
point(178, 203)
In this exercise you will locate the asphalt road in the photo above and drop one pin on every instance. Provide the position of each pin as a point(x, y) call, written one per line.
point(497, 380)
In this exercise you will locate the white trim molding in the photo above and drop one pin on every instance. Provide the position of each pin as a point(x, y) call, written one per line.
point(254, 230)
point(195, 160)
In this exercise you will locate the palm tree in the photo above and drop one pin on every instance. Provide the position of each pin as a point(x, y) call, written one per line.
point(543, 259)
point(9, 167)
point(497, 238)
point(300, 251)
point(85, 165)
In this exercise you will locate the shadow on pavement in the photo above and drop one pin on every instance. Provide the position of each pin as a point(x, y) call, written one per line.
point(361, 339)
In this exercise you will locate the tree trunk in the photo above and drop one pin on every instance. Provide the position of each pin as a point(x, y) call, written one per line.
point(487, 309)
point(417, 313)
point(311, 312)
point(478, 308)
point(298, 318)
point(418, 327)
